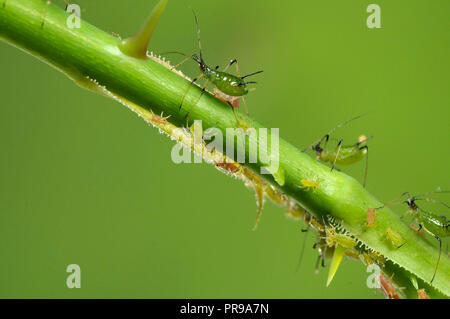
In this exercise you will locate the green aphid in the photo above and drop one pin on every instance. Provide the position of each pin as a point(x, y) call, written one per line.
point(435, 225)
point(233, 87)
point(394, 238)
point(342, 154)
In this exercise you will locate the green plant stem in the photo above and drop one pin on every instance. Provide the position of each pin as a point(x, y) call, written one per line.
point(88, 52)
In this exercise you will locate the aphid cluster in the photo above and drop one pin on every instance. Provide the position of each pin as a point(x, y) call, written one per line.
point(435, 225)
point(334, 243)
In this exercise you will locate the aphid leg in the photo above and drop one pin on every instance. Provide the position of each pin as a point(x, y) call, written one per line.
point(181, 63)
point(195, 104)
point(229, 64)
point(316, 143)
point(337, 154)
point(440, 250)
point(366, 170)
point(45, 13)
point(238, 73)
point(300, 258)
point(316, 267)
point(304, 230)
point(320, 260)
point(439, 258)
point(405, 214)
point(326, 138)
point(418, 232)
point(67, 4)
point(234, 112)
point(245, 104)
point(189, 87)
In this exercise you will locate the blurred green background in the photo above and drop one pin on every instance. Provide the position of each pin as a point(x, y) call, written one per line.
point(83, 180)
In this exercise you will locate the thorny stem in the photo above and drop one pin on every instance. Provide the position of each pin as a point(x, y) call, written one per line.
point(144, 85)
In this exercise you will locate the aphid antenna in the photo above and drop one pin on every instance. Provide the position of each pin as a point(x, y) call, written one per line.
point(431, 193)
point(193, 57)
point(393, 202)
point(327, 136)
point(418, 197)
point(47, 4)
point(198, 37)
point(433, 201)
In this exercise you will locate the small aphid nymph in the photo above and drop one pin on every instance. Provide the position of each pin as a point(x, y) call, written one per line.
point(159, 119)
point(229, 167)
point(371, 214)
point(309, 184)
point(395, 239)
point(388, 287)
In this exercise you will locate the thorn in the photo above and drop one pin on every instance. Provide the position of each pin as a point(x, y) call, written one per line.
point(136, 45)
point(278, 175)
point(259, 192)
point(339, 252)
